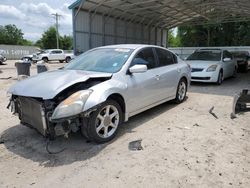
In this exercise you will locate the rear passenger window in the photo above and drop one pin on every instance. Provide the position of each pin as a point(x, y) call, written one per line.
point(145, 57)
point(165, 57)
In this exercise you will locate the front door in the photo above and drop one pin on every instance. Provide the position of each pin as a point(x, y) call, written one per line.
point(143, 87)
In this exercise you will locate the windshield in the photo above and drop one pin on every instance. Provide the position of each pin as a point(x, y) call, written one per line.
point(108, 60)
point(208, 55)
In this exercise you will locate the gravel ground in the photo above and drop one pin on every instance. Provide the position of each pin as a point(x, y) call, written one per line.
point(183, 146)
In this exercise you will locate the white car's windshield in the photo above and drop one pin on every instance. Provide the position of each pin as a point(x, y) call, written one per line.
point(108, 60)
point(208, 55)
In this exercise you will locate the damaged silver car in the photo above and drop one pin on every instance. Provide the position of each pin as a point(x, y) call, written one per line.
point(99, 90)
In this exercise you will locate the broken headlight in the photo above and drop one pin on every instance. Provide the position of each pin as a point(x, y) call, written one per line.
point(71, 106)
point(212, 68)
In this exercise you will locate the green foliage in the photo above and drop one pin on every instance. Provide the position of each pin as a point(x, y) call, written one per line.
point(48, 40)
point(173, 41)
point(227, 34)
point(66, 42)
point(10, 34)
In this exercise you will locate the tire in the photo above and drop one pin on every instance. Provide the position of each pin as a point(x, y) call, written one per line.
point(100, 127)
point(245, 68)
point(181, 91)
point(220, 78)
point(61, 61)
point(68, 59)
point(235, 72)
point(45, 59)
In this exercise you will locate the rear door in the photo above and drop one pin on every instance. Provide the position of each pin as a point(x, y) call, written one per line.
point(168, 72)
point(57, 55)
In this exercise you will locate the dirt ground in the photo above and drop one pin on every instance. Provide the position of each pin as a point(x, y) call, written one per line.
point(183, 146)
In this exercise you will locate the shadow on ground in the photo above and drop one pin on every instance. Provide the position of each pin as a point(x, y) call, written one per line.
point(27, 143)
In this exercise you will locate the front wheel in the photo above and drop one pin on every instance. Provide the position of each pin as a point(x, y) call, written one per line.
point(102, 125)
point(220, 78)
point(181, 91)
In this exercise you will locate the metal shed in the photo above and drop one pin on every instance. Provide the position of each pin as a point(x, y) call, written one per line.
point(103, 22)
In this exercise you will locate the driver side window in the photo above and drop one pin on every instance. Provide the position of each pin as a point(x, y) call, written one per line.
point(145, 57)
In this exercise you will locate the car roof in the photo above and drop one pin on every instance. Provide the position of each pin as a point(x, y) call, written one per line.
point(130, 46)
point(209, 49)
point(54, 49)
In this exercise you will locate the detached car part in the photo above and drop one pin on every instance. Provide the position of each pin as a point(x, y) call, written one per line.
point(241, 103)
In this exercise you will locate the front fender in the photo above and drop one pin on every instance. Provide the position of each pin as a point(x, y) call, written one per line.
point(102, 91)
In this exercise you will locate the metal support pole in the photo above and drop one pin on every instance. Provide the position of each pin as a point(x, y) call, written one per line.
point(57, 16)
point(103, 30)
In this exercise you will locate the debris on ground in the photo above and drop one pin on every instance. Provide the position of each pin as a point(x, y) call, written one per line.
point(241, 103)
point(196, 125)
point(185, 128)
point(135, 145)
point(212, 113)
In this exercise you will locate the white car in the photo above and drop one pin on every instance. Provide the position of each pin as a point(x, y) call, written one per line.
point(211, 65)
point(54, 55)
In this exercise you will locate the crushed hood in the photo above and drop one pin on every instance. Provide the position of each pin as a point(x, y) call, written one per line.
point(47, 85)
point(201, 64)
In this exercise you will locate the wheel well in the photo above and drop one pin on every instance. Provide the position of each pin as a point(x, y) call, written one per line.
point(119, 99)
point(184, 78)
point(45, 58)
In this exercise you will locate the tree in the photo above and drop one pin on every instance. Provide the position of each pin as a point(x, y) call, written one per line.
point(66, 42)
point(48, 40)
point(226, 34)
point(10, 34)
point(173, 41)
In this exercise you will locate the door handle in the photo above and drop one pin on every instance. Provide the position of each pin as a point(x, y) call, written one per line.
point(157, 77)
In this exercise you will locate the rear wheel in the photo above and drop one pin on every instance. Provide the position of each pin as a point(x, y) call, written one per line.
point(103, 124)
point(181, 91)
point(68, 59)
point(45, 59)
point(220, 78)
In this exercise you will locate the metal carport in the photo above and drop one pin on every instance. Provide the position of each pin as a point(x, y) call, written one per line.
point(103, 22)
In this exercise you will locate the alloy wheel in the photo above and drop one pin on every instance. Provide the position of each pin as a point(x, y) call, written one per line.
point(182, 91)
point(107, 121)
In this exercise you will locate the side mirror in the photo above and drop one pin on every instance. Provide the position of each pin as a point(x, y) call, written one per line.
point(227, 59)
point(138, 69)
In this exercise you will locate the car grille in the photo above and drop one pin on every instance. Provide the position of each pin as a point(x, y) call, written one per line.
point(200, 78)
point(197, 70)
point(32, 114)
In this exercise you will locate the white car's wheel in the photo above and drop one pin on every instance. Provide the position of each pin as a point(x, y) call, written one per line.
point(181, 91)
point(103, 124)
point(220, 78)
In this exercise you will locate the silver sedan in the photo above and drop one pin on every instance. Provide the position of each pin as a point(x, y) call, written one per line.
point(99, 90)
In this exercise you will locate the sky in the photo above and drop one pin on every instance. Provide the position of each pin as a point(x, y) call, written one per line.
point(34, 17)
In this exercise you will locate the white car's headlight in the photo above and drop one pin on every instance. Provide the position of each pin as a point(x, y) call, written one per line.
point(71, 106)
point(212, 68)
